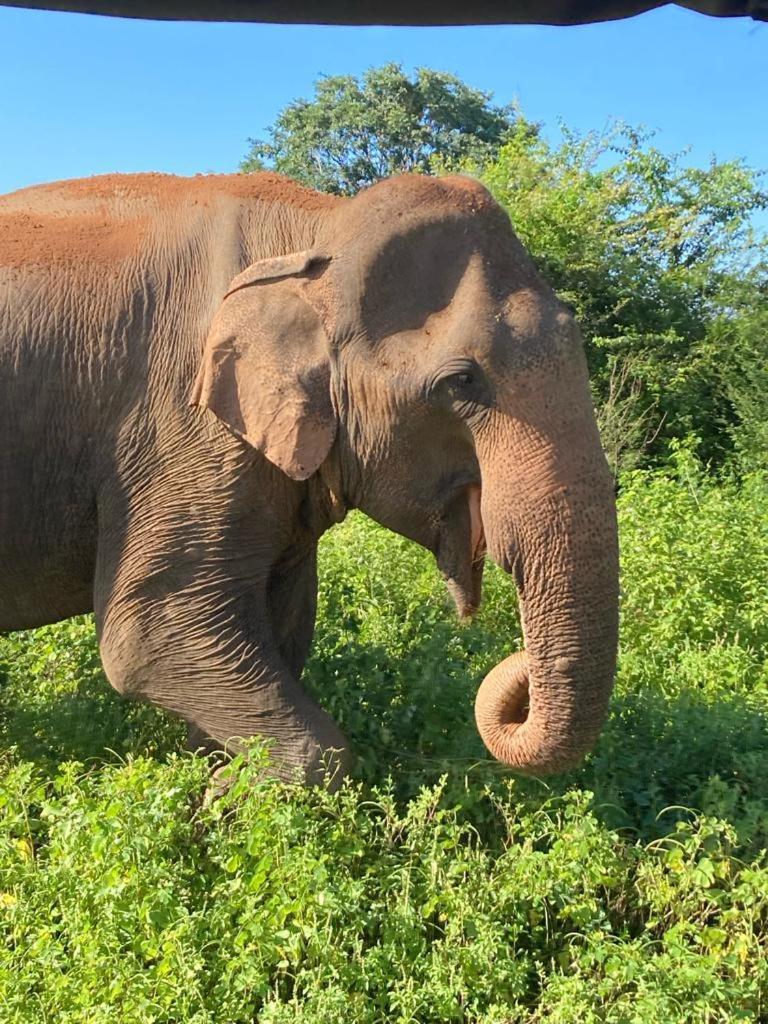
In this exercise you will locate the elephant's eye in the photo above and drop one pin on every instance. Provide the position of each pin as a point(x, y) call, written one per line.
point(463, 386)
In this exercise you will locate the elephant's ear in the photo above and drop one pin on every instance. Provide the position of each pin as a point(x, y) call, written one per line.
point(266, 370)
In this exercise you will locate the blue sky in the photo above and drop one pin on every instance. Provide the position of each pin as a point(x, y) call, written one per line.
point(86, 95)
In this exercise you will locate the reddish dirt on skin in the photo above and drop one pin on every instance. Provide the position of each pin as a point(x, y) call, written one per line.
point(170, 189)
point(42, 238)
point(94, 221)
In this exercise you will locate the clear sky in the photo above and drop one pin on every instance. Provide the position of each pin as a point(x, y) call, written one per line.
point(86, 95)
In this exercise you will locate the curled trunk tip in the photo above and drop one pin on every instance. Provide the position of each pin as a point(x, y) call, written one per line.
point(501, 706)
point(516, 730)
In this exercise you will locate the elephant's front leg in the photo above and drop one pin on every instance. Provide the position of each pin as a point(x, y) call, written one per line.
point(292, 606)
point(216, 652)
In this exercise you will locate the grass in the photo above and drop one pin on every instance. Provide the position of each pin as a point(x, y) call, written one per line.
point(435, 887)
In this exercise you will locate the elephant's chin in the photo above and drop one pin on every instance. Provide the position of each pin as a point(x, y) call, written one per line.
point(467, 598)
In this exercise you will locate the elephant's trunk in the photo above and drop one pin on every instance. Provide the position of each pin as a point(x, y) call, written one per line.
point(541, 710)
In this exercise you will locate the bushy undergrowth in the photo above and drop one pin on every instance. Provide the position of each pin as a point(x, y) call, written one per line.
point(434, 888)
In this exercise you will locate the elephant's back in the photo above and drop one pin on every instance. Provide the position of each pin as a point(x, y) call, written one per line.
point(107, 218)
point(69, 223)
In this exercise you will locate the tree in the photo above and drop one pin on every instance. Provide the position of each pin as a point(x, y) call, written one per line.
point(355, 132)
point(668, 277)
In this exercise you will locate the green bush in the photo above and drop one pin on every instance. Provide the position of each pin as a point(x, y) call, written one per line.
point(666, 271)
point(434, 887)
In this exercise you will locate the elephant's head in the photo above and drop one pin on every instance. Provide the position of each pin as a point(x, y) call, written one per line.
point(416, 351)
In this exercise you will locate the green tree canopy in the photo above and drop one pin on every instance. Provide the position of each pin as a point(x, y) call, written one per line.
point(668, 277)
point(356, 131)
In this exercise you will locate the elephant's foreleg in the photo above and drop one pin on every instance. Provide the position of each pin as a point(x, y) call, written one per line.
point(208, 654)
point(292, 604)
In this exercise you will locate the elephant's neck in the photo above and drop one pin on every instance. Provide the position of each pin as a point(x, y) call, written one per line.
point(326, 502)
point(270, 228)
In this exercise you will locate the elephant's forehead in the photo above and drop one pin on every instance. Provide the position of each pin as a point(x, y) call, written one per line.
point(410, 273)
point(521, 330)
point(533, 329)
point(413, 219)
point(428, 297)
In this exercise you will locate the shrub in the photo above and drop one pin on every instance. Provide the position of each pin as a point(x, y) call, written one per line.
point(434, 887)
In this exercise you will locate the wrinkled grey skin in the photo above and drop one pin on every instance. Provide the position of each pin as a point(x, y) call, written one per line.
point(200, 376)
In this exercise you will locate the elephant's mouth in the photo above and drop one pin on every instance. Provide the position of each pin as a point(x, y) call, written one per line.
point(461, 555)
point(477, 540)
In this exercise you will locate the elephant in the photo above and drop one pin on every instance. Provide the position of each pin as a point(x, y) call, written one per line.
point(202, 375)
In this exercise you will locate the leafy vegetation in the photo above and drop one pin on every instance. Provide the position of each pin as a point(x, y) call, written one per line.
point(667, 276)
point(435, 887)
point(354, 132)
